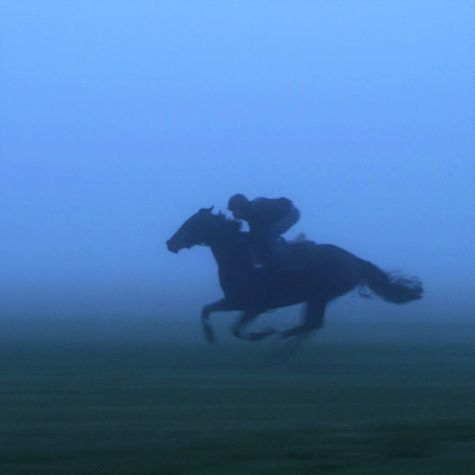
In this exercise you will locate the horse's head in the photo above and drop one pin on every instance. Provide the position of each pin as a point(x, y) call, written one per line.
point(194, 231)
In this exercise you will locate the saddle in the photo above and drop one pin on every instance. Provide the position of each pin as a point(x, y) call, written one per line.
point(282, 255)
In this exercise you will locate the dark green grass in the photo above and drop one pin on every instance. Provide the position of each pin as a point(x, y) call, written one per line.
point(340, 407)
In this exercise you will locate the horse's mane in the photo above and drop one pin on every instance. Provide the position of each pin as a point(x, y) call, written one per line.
point(228, 223)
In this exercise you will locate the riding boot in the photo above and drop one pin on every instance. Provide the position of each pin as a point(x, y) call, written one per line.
point(272, 260)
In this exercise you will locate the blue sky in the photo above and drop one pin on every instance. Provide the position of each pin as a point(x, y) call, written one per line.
point(120, 119)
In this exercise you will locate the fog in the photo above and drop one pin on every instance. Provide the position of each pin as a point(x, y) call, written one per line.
point(119, 120)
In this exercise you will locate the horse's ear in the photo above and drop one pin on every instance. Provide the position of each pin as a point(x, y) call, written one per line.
point(206, 210)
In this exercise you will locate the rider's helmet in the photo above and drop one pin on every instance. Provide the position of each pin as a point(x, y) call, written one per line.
point(237, 202)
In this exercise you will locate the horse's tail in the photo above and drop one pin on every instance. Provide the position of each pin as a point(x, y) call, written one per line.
point(390, 287)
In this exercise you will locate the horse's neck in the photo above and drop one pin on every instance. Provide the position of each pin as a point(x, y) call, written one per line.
point(233, 258)
point(231, 254)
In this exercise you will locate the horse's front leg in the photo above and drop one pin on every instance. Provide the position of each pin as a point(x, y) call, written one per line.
point(217, 306)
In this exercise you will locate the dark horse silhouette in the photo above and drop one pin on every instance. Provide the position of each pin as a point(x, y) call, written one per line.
point(315, 274)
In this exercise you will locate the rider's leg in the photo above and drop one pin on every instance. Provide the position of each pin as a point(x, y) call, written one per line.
point(274, 253)
point(275, 247)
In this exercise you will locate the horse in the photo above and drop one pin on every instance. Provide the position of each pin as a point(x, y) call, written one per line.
point(314, 274)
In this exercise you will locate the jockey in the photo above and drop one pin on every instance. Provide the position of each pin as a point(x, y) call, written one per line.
point(268, 218)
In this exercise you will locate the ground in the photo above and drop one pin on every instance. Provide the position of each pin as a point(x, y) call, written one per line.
point(144, 406)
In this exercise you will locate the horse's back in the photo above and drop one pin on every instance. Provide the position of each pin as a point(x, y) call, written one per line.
point(311, 255)
point(306, 247)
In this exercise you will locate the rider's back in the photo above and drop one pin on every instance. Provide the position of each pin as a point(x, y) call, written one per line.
point(266, 211)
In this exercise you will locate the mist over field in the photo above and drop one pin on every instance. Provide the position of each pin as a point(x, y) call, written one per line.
point(119, 121)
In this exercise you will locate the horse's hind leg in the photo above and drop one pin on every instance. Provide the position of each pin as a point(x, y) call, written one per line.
point(245, 318)
point(313, 318)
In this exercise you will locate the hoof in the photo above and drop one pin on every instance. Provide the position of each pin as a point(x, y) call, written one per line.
point(287, 334)
point(297, 333)
point(284, 335)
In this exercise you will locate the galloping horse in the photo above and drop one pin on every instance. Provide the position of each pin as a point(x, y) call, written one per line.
point(314, 274)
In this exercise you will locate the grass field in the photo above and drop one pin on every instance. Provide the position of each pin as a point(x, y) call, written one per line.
point(141, 406)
